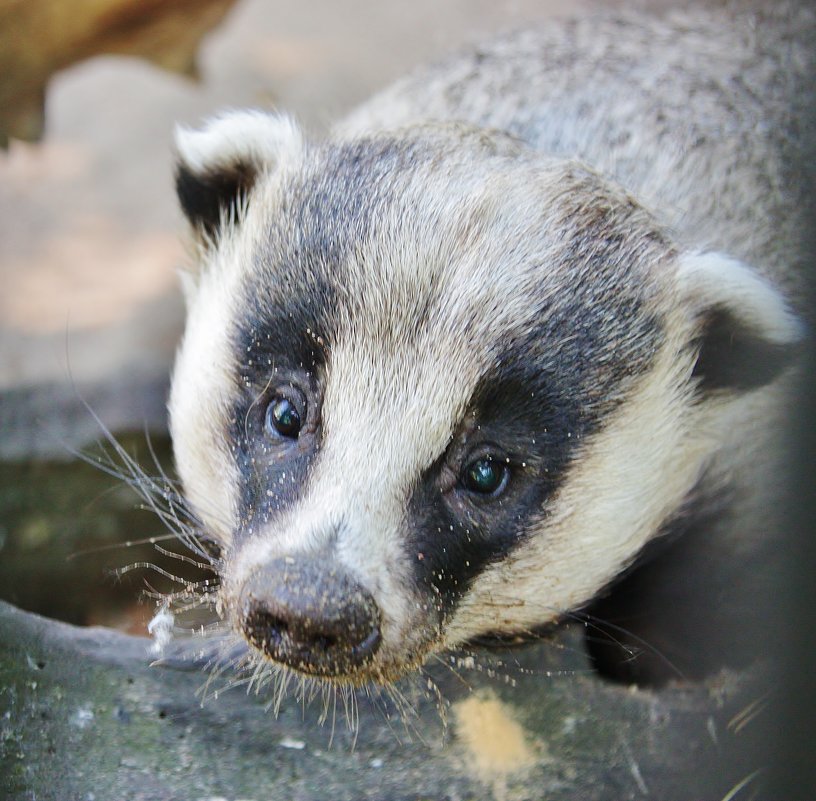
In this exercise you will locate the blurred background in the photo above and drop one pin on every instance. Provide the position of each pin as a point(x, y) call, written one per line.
point(90, 310)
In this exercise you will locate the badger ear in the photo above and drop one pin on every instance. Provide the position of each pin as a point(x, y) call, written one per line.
point(747, 332)
point(218, 164)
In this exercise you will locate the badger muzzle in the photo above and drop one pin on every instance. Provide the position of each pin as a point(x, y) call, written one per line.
point(310, 615)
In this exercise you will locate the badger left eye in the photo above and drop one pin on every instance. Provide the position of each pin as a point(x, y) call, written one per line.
point(284, 417)
point(486, 476)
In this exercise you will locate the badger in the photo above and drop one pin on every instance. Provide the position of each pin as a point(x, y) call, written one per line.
point(454, 368)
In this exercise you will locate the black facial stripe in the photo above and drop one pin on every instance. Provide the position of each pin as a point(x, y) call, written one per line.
point(272, 352)
point(274, 469)
point(455, 535)
point(453, 538)
point(288, 341)
point(290, 304)
point(539, 406)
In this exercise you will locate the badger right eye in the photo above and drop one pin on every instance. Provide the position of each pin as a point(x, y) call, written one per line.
point(486, 476)
point(284, 418)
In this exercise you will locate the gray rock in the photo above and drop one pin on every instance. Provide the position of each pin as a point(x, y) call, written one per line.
point(83, 715)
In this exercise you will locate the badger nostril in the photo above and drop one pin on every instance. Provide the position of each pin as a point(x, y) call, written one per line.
point(273, 628)
point(317, 620)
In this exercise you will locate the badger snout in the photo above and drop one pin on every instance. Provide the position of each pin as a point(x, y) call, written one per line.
point(310, 616)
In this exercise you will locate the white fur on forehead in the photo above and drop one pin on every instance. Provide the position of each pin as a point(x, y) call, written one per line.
point(203, 387)
point(712, 280)
point(251, 137)
point(411, 386)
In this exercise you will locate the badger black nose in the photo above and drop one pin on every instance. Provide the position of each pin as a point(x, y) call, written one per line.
point(310, 615)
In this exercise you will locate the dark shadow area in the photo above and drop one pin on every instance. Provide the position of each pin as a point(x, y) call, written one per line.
point(79, 547)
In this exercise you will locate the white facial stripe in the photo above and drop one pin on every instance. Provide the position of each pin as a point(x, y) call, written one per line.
point(202, 389)
point(204, 377)
point(384, 420)
point(395, 390)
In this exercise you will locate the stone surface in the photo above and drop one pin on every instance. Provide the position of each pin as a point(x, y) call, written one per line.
point(83, 715)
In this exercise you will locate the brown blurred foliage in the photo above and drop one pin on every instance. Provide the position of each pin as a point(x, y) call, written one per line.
point(40, 37)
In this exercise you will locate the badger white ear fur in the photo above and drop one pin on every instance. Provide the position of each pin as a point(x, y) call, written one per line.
point(747, 332)
point(218, 164)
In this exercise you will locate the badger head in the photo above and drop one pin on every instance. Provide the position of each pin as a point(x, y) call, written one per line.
point(434, 384)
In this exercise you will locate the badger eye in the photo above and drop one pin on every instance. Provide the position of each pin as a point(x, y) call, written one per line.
point(283, 418)
point(486, 476)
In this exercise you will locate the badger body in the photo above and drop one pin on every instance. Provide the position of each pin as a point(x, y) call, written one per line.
point(450, 370)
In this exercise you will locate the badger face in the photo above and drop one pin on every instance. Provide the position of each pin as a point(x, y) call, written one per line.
point(434, 385)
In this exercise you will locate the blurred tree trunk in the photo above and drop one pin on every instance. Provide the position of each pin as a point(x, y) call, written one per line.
point(39, 37)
